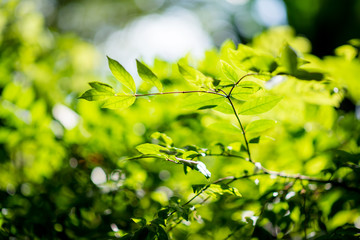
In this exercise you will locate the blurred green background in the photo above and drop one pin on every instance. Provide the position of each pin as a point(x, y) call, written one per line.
point(63, 167)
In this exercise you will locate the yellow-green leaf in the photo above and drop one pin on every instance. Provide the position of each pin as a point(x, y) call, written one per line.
point(102, 87)
point(148, 76)
point(260, 125)
point(229, 71)
point(94, 95)
point(259, 105)
point(153, 149)
point(194, 76)
point(245, 89)
point(119, 101)
point(121, 74)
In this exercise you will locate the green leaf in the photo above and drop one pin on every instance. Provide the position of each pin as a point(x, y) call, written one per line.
point(260, 125)
point(225, 127)
point(119, 101)
point(162, 235)
point(121, 74)
point(201, 167)
point(229, 71)
point(198, 187)
point(94, 95)
point(204, 101)
point(149, 148)
point(139, 221)
point(216, 189)
point(259, 105)
point(207, 107)
point(289, 59)
point(194, 76)
point(102, 87)
point(163, 138)
point(245, 90)
point(190, 154)
point(148, 76)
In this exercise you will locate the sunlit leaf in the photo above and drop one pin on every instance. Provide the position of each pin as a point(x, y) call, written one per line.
point(222, 189)
point(194, 76)
point(225, 127)
point(260, 125)
point(259, 105)
point(102, 87)
point(163, 138)
point(147, 75)
point(119, 101)
point(121, 74)
point(149, 148)
point(94, 95)
point(201, 167)
point(245, 89)
point(204, 101)
point(229, 71)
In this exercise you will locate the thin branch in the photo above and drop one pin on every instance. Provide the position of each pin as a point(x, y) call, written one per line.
point(246, 75)
point(242, 130)
point(178, 92)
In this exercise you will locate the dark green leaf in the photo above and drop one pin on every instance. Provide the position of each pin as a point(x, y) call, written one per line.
point(206, 107)
point(198, 187)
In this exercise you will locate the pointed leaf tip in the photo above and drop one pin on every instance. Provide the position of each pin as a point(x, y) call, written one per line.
point(121, 74)
point(148, 76)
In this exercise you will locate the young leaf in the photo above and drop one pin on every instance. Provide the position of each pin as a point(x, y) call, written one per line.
point(229, 71)
point(201, 167)
point(259, 105)
point(121, 74)
point(148, 76)
point(94, 95)
point(102, 87)
point(119, 101)
point(259, 125)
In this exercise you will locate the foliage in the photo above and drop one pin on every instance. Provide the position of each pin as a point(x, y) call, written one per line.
point(252, 142)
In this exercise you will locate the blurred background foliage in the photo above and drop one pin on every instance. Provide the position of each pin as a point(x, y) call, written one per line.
point(64, 172)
